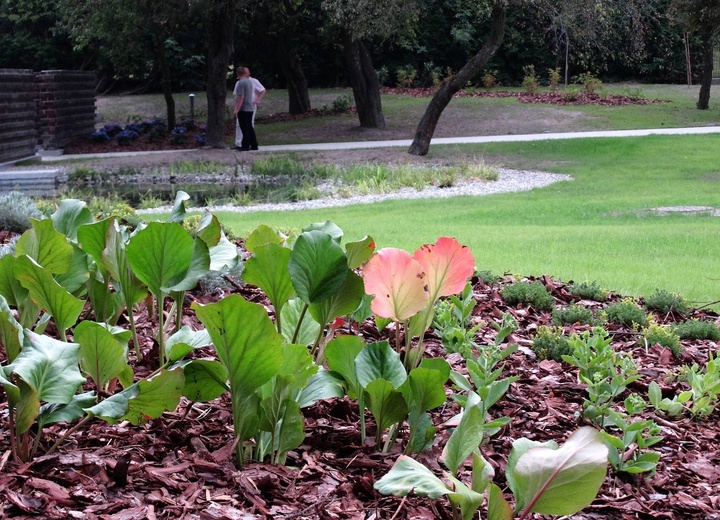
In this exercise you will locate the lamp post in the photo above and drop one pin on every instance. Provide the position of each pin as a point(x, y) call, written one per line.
point(192, 106)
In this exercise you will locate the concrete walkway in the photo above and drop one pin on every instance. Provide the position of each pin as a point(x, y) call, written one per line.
point(404, 143)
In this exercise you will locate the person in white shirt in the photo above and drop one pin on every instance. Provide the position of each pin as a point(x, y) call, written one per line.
point(258, 94)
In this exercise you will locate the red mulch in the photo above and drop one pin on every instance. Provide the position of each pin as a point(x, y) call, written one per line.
point(181, 465)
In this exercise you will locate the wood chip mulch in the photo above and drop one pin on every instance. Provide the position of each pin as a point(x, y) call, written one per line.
point(182, 465)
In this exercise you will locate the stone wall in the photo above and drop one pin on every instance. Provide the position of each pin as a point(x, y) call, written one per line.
point(17, 114)
point(47, 109)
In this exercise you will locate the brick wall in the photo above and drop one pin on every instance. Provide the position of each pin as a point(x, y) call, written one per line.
point(65, 106)
point(17, 114)
point(48, 109)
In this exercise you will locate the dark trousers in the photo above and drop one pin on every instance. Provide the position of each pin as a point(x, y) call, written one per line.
point(249, 140)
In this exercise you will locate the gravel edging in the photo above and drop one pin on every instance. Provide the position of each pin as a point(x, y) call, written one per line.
point(508, 181)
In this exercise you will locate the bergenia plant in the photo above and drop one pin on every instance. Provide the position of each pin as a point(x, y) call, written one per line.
point(405, 287)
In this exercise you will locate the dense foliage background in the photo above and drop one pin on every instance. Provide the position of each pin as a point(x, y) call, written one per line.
point(126, 42)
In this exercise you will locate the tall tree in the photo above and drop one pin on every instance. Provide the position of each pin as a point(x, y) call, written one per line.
point(441, 99)
point(275, 27)
point(703, 17)
point(359, 22)
point(220, 21)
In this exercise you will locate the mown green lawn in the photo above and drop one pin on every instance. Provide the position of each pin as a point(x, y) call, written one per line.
point(595, 227)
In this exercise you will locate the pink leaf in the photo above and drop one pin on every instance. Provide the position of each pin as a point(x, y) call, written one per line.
point(398, 283)
point(447, 264)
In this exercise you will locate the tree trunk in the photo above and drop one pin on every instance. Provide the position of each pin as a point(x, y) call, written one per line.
point(289, 61)
point(703, 102)
point(166, 78)
point(220, 20)
point(364, 82)
point(441, 99)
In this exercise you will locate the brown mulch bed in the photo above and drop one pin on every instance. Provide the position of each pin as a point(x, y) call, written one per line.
point(181, 465)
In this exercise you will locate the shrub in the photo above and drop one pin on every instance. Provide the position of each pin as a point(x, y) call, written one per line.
point(342, 103)
point(489, 79)
point(664, 302)
point(156, 131)
point(134, 127)
point(405, 76)
point(489, 277)
point(588, 291)
point(632, 93)
point(112, 130)
point(200, 139)
point(16, 210)
point(573, 314)
point(530, 82)
point(698, 329)
point(626, 312)
point(383, 75)
point(178, 135)
point(126, 137)
point(112, 206)
point(100, 136)
point(571, 93)
point(528, 293)
point(554, 79)
point(663, 335)
point(549, 343)
point(590, 82)
point(188, 124)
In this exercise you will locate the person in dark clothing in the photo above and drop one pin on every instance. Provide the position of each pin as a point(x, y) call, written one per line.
point(244, 109)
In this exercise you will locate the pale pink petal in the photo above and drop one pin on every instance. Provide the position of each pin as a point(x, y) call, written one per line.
point(398, 283)
point(447, 265)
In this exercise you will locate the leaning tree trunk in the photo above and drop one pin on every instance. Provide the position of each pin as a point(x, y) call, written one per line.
point(220, 20)
point(365, 83)
point(703, 102)
point(289, 61)
point(441, 99)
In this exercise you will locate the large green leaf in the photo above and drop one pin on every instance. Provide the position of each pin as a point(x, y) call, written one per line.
point(246, 344)
point(267, 268)
point(424, 390)
point(398, 283)
point(178, 212)
point(184, 341)
point(199, 267)
point(224, 254)
point(343, 302)
point(114, 259)
point(205, 380)
point(290, 316)
point(78, 272)
point(47, 293)
point(159, 254)
point(27, 407)
point(385, 403)
point(50, 367)
point(408, 475)
point(48, 247)
point(325, 384)
point(498, 508)
point(328, 227)
point(289, 429)
point(261, 236)
point(467, 436)
point(11, 332)
point(340, 354)
point(101, 355)
point(318, 266)
point(359, 252)
point(209, 229)
point(155, 396)
point(561, 481)
point(54, 412)
point(10, 286)
point(379, 361)
point(92, 238)
point(69, 216)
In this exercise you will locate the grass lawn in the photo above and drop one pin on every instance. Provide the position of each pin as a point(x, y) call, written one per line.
point(593, 228)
